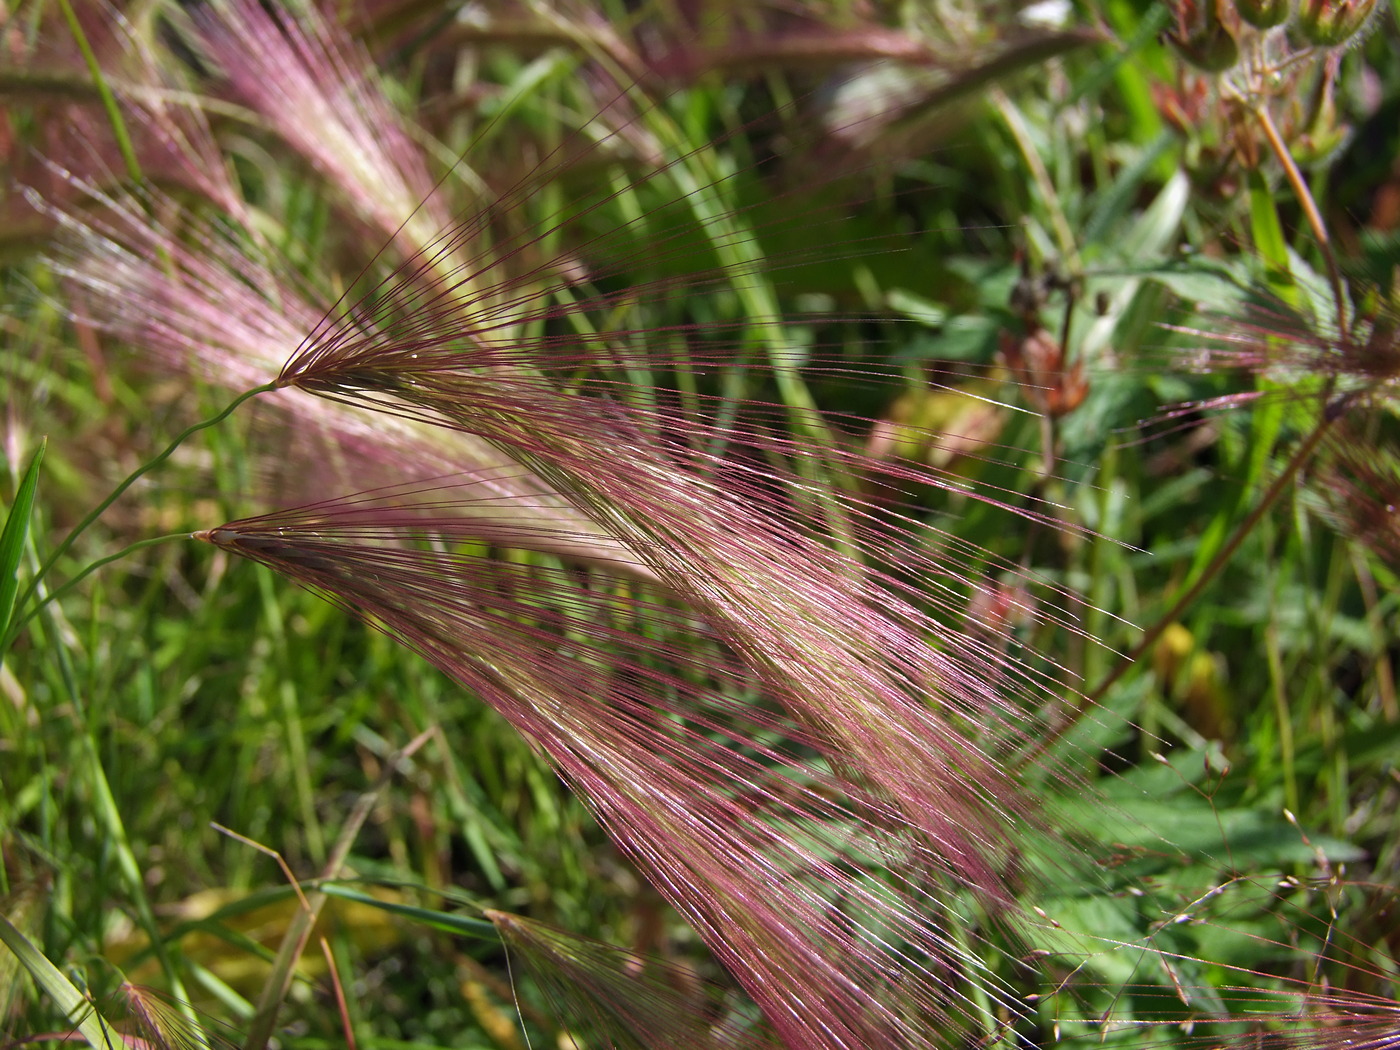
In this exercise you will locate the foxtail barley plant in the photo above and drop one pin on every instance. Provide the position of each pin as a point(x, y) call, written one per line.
point(807, 571)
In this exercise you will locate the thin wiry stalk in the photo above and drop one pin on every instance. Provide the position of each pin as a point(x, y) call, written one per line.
point(1361, 480)
point(151, 464)
point(1315, 222)
point(1281, 484)
point(109, 100)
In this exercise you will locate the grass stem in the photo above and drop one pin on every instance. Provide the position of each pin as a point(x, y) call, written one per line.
point(110, 818)
point(1311, 213)
point(88, 570)
point(120, 490)
point(104, 91)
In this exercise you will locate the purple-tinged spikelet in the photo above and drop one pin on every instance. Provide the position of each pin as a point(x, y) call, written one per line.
point(847, 653)
point(1276, 343)
point(1348, 385)
point(795, 832)
point(308, 80)
point(202, 304)
point(822, 604)
point(793, 743)
point(1360, 479)
point(161, 1025)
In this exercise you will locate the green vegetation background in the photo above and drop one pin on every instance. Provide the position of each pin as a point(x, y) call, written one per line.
point(177, 689)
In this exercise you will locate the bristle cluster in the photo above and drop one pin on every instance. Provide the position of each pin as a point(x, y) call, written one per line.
point(321, 95)
point(621, 999)
point(783, 785)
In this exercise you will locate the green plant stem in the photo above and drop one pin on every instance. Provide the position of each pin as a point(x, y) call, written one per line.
point(88, 570)
point(120, 490)
point(1287, 753)
point(109, 100)
point(1311, 213)
point(1192, 592)
point(1385, 672)
point(1222, 558)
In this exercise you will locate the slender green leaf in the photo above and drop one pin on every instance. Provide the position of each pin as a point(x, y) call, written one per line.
point(12, 539)
point(1269, 239)
point(916, 307)
point(109, 99)
point(58, 987)
point(438, 920)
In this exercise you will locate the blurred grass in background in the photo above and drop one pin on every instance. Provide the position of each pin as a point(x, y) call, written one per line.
point(931, 193)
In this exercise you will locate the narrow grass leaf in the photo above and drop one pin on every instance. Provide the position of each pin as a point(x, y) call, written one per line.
point(1269, 239)
point(446, 922)
point(97, 1031)
point(104, 90)
point(12, 542)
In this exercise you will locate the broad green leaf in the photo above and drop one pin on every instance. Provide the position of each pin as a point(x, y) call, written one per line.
point(1099, 932)
point(1315, 294)
point(1155, 230)
point(1113, 204)
point(1150, 237)
point(966, 337)
point(1208, 284)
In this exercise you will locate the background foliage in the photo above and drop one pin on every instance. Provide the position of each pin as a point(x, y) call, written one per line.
point(1055, 262)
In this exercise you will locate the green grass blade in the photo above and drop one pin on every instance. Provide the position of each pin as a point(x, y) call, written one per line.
point(12, 540)
point(130, 480)
point(460, 925)
point(1269, 239)
point(59, 988)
